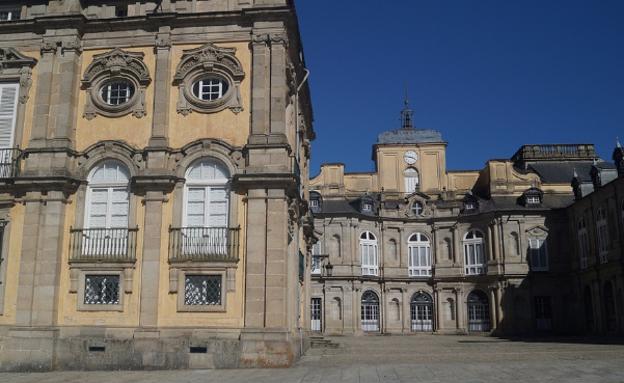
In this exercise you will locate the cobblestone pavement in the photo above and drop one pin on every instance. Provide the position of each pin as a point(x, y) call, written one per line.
point(422, 358)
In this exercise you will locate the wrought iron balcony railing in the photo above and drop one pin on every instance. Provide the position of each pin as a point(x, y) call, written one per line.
point(203, 244)
point(103, 245)
point(9, 162)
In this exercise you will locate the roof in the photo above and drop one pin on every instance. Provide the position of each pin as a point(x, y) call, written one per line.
point(410, 136)
point(562, 172)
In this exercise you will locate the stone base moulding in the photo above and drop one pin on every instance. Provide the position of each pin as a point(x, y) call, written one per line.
point(91, 348)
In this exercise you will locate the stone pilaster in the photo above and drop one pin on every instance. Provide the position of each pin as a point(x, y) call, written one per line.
point(256, 267)
point(40, 264)
point(279, 88)
point(260, 92)
point(162, 88)
point(150, 266)
point(45, 70)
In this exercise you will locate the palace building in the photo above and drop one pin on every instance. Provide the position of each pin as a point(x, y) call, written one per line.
point(153, 182)
point(527, 245)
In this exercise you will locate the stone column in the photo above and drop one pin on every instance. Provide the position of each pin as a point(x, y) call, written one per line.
point(437, 306)
point(255, 269)
point(493, 316)
point(150, 266)
point(456, 247)
point(459, 310)
point(64, 95)
point(162, 88)
point(260, 93)
point(45, 70)
point(279, 88)
point(42, 250)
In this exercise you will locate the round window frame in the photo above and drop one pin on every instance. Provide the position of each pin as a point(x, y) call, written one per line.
point(107, 109)
point(208, 105)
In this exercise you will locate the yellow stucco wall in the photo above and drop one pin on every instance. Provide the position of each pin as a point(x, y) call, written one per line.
point(225, 125)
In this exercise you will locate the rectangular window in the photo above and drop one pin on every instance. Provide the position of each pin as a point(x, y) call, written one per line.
point(538, 254)
point(419, 261)
point(202, 290)
point(603, 241)
point(543, 313)
point(474, 258)
point(10, 14)
point(583, 248)
point(101, 289)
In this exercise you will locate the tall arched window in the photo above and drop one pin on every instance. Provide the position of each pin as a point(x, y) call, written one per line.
point(474, 255)
point(107, 196)
point(368, 253)
point(583, 242)
point(419, 254)
point(478, 311)
point(421, 309)
point(412, 180)
point(106, 210)
point(602, 234)
point(206, 207)
point(370, 311)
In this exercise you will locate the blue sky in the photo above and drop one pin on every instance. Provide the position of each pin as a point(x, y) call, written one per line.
point(491, 75)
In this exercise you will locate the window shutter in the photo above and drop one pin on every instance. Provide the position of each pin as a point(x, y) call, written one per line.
point(119, 208)
point(218, 209)
point(8, 112)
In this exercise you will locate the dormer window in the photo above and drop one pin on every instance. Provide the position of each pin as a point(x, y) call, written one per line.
point(471, 204)
point(366, 204)
point(367, 207)
point(532, 197)
point(10, 14)
point(315, 202)
point(121, 10)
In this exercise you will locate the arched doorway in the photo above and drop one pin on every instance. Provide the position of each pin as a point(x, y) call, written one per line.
point(370, 311)
point(421, 309)
point(478, 312)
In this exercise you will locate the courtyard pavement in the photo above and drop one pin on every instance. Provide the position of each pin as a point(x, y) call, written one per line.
point(419, 358)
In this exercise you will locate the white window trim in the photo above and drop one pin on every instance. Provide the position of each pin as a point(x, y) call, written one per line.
point(207, 185)
point(316, 252)
point(602, 233)
point(111, 187)
point(583, 239)
point(371, 268)
point(538, 254)
point(13, 116)
point(413, 251)
point(477, 268)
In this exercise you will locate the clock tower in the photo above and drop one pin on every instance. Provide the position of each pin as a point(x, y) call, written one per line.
point(410, 159)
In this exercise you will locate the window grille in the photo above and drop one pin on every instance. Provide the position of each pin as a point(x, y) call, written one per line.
point(209, 89)
point(117, 93)
point(101, 290)
point(202, 290)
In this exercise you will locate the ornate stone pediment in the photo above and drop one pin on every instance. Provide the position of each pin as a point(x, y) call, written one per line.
point(14, 66)
point(537, 231)
point(209, 61)
point(116, 66)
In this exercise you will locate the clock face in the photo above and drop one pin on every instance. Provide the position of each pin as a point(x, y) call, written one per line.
point(410, 157)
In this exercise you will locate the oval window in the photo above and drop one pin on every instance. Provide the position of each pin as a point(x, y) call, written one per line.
point(117, 92)
point(210, 88)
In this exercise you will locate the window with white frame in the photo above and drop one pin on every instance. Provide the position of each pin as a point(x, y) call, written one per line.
point(9, 14)
point(533, 200)
point(474, 255)
point(583, 242)
point(206, 208)
point(412, 180)
point(602, 234)
point(418, 208)
point(210, 88)
point(419, 254)
point(8, 111)
point(117, 92)
point(108, 196)
point(538, 254)
point(316, 259)
point(368, 254)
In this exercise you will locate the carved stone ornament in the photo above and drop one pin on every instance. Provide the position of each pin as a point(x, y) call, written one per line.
point(116, 65)
point(14, 66)
point(214, 62)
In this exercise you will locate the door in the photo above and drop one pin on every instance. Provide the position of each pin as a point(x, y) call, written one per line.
point(316, 315)
point(422, 312)
point(370, 312)
point(478, 312)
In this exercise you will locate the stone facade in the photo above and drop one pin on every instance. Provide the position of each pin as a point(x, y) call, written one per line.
point(413, 247)
point(120, 113)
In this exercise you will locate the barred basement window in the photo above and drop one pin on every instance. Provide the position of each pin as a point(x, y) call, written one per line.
point(202, 290)
point(101, 290)
point(117, 92)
